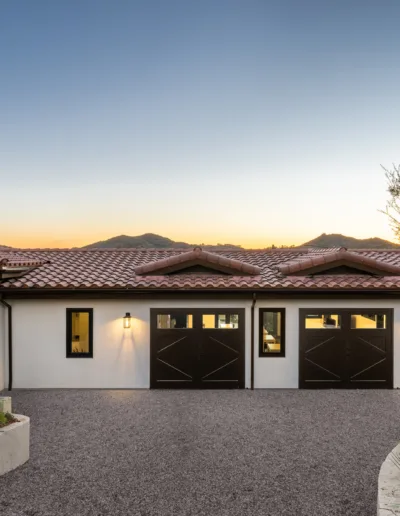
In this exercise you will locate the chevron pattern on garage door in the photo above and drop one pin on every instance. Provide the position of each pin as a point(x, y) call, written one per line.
point(346, 356)
point(197, 357)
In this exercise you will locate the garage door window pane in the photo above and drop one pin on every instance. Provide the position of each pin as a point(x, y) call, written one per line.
point(226, 322)
point(221, 320)
point(272, 329)
point(174, 321)
point(368, 321)
point(323, 321)
point(208, 321)
point(234, 321)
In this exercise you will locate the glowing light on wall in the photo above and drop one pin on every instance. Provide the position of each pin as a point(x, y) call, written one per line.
point(127, 320)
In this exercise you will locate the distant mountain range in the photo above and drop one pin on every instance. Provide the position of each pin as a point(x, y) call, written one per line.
point(150, 240)
point(337, 240)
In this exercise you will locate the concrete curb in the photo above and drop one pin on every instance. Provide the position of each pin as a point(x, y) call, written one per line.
point(389, 485)
point(14, 444)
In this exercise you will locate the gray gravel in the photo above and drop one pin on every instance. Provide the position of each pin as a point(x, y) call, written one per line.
point(214, 453)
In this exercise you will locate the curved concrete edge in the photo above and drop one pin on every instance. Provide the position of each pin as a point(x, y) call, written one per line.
point(14, 444)
point(389, 485)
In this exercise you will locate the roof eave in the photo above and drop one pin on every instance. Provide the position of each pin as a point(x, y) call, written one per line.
point(171, 291)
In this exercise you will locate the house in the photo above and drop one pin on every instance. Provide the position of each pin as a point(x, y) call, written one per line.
point(170, 318)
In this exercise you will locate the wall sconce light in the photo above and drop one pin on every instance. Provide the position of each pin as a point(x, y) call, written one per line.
point(127, 320)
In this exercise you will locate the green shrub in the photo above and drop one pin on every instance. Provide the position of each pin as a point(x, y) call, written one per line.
point(10, 418)
point(7, 419)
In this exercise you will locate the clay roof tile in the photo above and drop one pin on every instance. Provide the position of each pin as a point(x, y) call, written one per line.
point(250, 269)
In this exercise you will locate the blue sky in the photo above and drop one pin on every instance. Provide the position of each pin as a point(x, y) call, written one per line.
point(252, 122)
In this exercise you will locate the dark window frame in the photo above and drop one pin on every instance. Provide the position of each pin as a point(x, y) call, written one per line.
point(69, 352)
point(282, 352)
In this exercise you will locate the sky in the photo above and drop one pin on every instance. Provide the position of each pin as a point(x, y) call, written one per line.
point(251, 122)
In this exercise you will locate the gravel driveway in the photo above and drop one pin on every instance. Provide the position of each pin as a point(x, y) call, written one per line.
point(214, 453)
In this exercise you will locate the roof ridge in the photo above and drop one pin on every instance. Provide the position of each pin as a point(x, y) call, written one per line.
point(386, 250)
point(146, 249)
point(325, 261)
point(197, 257)
point(94, 249)
point(307, 250)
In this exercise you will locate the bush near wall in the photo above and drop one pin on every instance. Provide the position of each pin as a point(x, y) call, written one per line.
point(7, 419)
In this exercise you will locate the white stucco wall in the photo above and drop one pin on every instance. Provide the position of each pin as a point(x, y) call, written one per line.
point(283, 372)
point(121, 358)
point(2, 347)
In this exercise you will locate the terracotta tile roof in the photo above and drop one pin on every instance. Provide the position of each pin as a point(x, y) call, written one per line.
point(19, 262)
point(117, 269)
point(197, 256)
point(12, 267)
point(323, 261)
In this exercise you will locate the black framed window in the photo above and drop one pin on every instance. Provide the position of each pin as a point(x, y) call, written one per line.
point(79, 332)
point(272, 332)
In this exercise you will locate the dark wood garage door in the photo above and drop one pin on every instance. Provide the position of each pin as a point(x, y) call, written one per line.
point(197, 348)
point(346, 348)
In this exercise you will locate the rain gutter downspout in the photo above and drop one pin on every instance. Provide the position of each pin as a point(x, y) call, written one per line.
point(10, 348)
point(253, 304)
